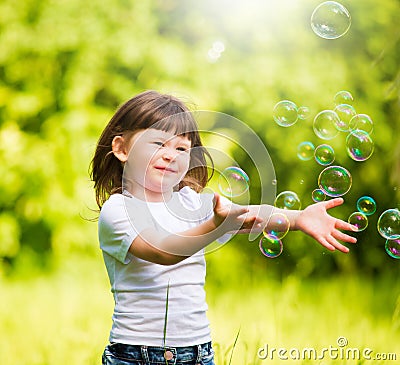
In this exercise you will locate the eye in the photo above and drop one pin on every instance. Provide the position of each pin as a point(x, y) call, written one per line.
point(183, 149)
point(158, 143)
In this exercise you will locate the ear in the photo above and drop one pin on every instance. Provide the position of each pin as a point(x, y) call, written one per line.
point(120, 148)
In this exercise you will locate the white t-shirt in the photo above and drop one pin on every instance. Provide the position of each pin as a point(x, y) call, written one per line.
point(140, 287)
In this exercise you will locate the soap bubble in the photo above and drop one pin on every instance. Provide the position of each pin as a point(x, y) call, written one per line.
point(366, 205)
point(270, 246)
point(318, 195)
point(359, 145)
point(303, 112)
point(389, 224)
point(335, 181)
point(358, 220)
point(392, 248)
point(343, 97)
point(361, 122)
point(233, 182)
point(285, 113)
point(345, 113)
point(278, 226)
point(287, 200)
point(324, 154)
point(305, 151)
point(325, 123)
point(330, 20)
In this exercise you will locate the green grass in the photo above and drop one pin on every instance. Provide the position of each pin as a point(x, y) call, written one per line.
point(64, 317)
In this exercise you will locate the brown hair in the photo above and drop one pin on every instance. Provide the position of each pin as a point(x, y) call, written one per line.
point(149, 109)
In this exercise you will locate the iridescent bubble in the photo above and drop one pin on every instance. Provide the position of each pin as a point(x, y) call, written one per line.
point(343, 97)
point(345, 113)
point(305, 151)
point(303, 112)
point(270, 246)
point(359, 220)
point(330, 20)
point(287, 200)
point(392, 248)
point(366, 205)
point(325, 123)
point(335, 181)
point(389, 224)
point(359, 145)
point(233, 182)
point(285, 113)
point(362, 122)
point(278, 226)
point(324, 154)
point(318, 195)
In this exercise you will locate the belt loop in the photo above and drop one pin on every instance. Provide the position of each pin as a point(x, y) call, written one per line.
point(199, 354)
point(145, 354)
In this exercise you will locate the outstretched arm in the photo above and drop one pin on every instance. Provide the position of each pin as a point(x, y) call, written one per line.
point(170, 248)
point(313, 221)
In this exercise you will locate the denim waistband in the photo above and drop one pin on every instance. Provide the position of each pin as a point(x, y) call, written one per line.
point(162, 355)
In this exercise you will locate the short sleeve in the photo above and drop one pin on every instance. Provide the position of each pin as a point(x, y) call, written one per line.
point(116, 228)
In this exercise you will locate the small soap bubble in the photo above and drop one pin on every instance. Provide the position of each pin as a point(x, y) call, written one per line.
point(318, 195)
point(330, 20)
point(325, 123)
point(359, 220)
point(389, 224)
point(305, 151)
point(270, 246)
point(324, 154)
point(233, 182)
point(274, 182)
point(287, 200)
point(304, 112)
point(366, 205)
point(335, 181)
point(285, 113)
point(361, 122)
point(278, 226)
point(359, 145)
point(343, 97)
point(392, 248)
point(345, 113)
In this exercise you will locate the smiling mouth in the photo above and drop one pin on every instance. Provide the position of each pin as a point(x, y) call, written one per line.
point(165, 169)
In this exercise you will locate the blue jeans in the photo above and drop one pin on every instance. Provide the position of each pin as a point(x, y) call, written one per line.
point(122, 354)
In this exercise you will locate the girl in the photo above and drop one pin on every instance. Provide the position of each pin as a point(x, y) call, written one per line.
point(148, 170)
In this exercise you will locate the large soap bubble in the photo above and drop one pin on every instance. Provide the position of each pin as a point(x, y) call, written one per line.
point(330, 20)
point(389, 224)
point(285, 113)
point(335, 181)
point(325, 124)
point(287, 200)
point(359, 145)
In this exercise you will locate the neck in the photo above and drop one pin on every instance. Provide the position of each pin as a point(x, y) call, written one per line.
point(148, 195)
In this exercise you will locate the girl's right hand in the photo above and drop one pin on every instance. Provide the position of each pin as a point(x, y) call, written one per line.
point(233, 217)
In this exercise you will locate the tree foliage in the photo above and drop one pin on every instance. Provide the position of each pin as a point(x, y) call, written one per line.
point(66, 65)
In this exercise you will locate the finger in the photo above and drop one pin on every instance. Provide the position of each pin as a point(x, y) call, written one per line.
point(326, 244)
point(345, 225)
point(216, 200)
point(335, 243)
point(333, 203)
point(344, 237)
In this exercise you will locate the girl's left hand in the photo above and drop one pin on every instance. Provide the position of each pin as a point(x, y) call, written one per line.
point(317, 223)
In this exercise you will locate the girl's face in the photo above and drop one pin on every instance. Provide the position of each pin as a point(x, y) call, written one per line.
point(157, 162)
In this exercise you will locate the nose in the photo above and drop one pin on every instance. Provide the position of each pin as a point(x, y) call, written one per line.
point(170, 154)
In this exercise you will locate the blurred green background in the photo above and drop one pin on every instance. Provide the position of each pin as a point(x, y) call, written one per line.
point(64, 68)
